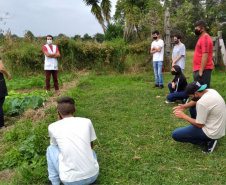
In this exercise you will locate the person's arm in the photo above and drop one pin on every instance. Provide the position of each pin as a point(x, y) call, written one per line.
point(178, 58)
point(183, 107)
point(152, 51)
point(203, 63)
point(205, 47)
point(91, 144)
point(4, 71)
point(182, 115)
point(158, 49)
point(54, 55)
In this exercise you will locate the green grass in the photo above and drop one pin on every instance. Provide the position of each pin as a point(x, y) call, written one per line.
point(18, 83)
point(133, 126)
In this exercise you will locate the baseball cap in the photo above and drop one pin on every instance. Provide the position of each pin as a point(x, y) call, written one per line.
point(192, 87)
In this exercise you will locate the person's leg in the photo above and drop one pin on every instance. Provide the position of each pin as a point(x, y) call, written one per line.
point(170, 88)
point(193, 112)
point(160, 63)
point(48, 75)
point(206, 77)
point(52, 156)
point(196, 76)
point(177, 96)
point(84, 181)
point(155, 67)
point(55, 80)
point(1, 112)
point(190, 134)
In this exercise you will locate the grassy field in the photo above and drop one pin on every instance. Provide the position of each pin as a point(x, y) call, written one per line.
point(133, 125)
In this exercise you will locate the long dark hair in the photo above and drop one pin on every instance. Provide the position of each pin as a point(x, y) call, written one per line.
point(179, 72)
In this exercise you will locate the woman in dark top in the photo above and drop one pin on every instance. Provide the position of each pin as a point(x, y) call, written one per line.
point(3, 91)
point(177, 86)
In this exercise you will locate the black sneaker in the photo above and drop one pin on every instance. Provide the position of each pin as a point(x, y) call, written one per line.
point(170, 101)
point(184, 101)
point(156, 86)
point(161, 86)
point(210, 145)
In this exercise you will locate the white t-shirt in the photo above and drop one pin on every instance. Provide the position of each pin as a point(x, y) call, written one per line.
point(73, 136)
point(158, 56)
point(211, 111)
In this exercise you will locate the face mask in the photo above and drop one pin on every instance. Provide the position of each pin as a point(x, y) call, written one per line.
point(195, 99)
point(176, 41)
point(154, 38)
point(173, 72)
point(49, 41)
point(198, 32)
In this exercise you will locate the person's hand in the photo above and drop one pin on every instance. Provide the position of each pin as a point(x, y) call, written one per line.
point(9, 76)
point(173, 85)
point(200, 73)
point(179, 114)
point(180, 107)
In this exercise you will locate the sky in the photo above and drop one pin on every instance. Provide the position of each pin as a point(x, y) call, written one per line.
point(44, 17)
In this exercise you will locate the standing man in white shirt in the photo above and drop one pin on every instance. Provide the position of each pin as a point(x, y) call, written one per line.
point(51, 67)
point(70, 156)
point(157, 49)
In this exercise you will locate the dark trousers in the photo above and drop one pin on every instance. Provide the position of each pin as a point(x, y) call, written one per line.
point(1, 112)
point(55, 81)
point(205, 78)
point(175, 95)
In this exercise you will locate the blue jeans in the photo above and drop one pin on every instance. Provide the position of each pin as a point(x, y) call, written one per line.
point(53, 168)
point(157, 65)
point(175, 95)
point(191, 133)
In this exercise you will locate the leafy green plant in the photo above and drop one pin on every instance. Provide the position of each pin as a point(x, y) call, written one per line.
point(17, 103)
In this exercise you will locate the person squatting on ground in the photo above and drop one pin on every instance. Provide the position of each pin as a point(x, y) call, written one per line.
point(179, 52)
point(203, 56)
point(208, 123)
point(157, 49)
point(177, 86)
point(51, 67)
point(3, 91)
point(70, 157)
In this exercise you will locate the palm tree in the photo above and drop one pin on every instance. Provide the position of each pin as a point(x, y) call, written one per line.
point(101, 12)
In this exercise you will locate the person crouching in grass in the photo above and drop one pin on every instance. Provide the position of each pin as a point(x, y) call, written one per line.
point(208, 118)
point(177, 86)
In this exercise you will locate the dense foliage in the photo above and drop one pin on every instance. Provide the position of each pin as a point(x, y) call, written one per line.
point(17, 103)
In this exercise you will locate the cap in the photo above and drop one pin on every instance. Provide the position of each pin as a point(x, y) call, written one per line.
point(194, 86)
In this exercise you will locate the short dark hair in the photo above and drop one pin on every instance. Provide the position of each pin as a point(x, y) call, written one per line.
point(178, 36)
point(155, 32)
point(201, 24)
point(66, 106)
point(49, 36)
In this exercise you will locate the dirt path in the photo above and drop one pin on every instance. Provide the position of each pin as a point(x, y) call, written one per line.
point(37, 115)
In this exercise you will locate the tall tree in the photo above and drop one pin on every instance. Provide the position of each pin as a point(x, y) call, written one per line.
point(100, 10)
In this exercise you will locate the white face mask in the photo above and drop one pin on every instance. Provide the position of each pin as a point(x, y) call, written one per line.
point(49, 41)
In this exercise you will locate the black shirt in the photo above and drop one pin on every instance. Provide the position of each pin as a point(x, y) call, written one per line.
point(3, 88)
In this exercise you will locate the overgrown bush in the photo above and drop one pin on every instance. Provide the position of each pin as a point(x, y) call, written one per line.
point(23, 56)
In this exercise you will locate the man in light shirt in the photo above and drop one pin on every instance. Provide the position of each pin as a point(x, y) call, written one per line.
point(157, 49)
point(70, 156)
point(208, 123)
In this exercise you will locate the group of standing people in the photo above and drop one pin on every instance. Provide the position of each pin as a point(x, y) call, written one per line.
point(207, 107)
